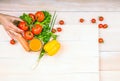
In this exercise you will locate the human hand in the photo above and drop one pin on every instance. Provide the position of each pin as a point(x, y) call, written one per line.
point(7, 22)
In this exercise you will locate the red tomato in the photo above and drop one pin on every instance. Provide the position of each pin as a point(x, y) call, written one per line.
point(105, 26)
point(22, 25)
point(100, 25)
point(81, 20)
point(100, 40)
point(39, 16)
point(59, 29)
point(37, 29)
point(93, 20)
point(12, 41)
point(28, 35)
point(101, 18)
point(32, 16)
point(61, 22)
point(53, 30)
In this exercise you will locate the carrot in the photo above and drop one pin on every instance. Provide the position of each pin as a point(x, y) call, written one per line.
point(23, 42)
point(20, 38)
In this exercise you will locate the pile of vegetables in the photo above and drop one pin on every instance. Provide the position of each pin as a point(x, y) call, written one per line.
point(38, 35)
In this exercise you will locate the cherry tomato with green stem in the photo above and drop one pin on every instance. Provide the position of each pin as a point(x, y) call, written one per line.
point(101, 18)
point(59, 29)
point(12, 41)
point(32, 16)
point(53, 30)
point(105, 26)
point(82, 20)
point(100, 40)
point(93, 20)
point(61, 22)
point(100, 25)
point(28, 35)
point(39, 16)
point(23, 26)
point(37, 29)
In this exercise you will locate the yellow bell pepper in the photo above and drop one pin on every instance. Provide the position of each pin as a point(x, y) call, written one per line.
point(52, 47)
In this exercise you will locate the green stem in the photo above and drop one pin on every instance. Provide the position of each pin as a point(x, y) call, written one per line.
point(41, 54)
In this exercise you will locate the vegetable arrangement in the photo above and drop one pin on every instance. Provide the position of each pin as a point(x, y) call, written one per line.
point(38, 33)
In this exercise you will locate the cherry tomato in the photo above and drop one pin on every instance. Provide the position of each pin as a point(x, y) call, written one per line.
point(37, 29)
point(100, 40)
point(105, 26)
point(81, 20)
point(28, 35)
point(32, 16)
point(12, 41)
point(59, 29)
point(100, 25)
point(61, 22)
point(101, 18)
point(93, 20)
point(23, 26)
point(39, 16)
point(53, 30)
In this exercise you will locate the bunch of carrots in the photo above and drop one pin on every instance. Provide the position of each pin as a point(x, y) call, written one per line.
point(38, 34)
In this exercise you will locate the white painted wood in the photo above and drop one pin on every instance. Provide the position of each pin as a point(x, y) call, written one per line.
point(78, 58)
point(57, 77)
point(110, 61)
point(110, 75)
point(21, 58)
point(62, 5)
point(111, 34)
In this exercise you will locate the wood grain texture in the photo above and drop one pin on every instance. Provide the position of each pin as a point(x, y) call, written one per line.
point(110, 76)
point(110, 61)
point(109, 51)
point(78, 58)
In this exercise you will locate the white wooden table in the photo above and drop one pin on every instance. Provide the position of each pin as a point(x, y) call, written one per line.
point(107, 60)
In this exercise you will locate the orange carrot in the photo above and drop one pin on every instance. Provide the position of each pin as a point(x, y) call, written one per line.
point(23, 42)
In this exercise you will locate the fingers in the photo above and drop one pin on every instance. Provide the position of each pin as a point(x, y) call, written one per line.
point(18, 19)
point(16, 29)
point(13, 18)
point(14, 34)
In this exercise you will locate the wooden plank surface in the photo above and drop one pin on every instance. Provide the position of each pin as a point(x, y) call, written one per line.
point(78, 56)
point(109, 51)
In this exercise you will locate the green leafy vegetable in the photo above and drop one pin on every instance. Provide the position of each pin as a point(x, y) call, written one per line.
point(26, 18)
point(47, 34)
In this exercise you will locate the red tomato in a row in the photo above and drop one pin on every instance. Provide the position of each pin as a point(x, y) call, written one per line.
point(100, 40)
point(59, 29)
point(102, 25)
point(39, 16)
point(37, 29)
point(101, 18)
point(93, 20)
point(61, 22)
